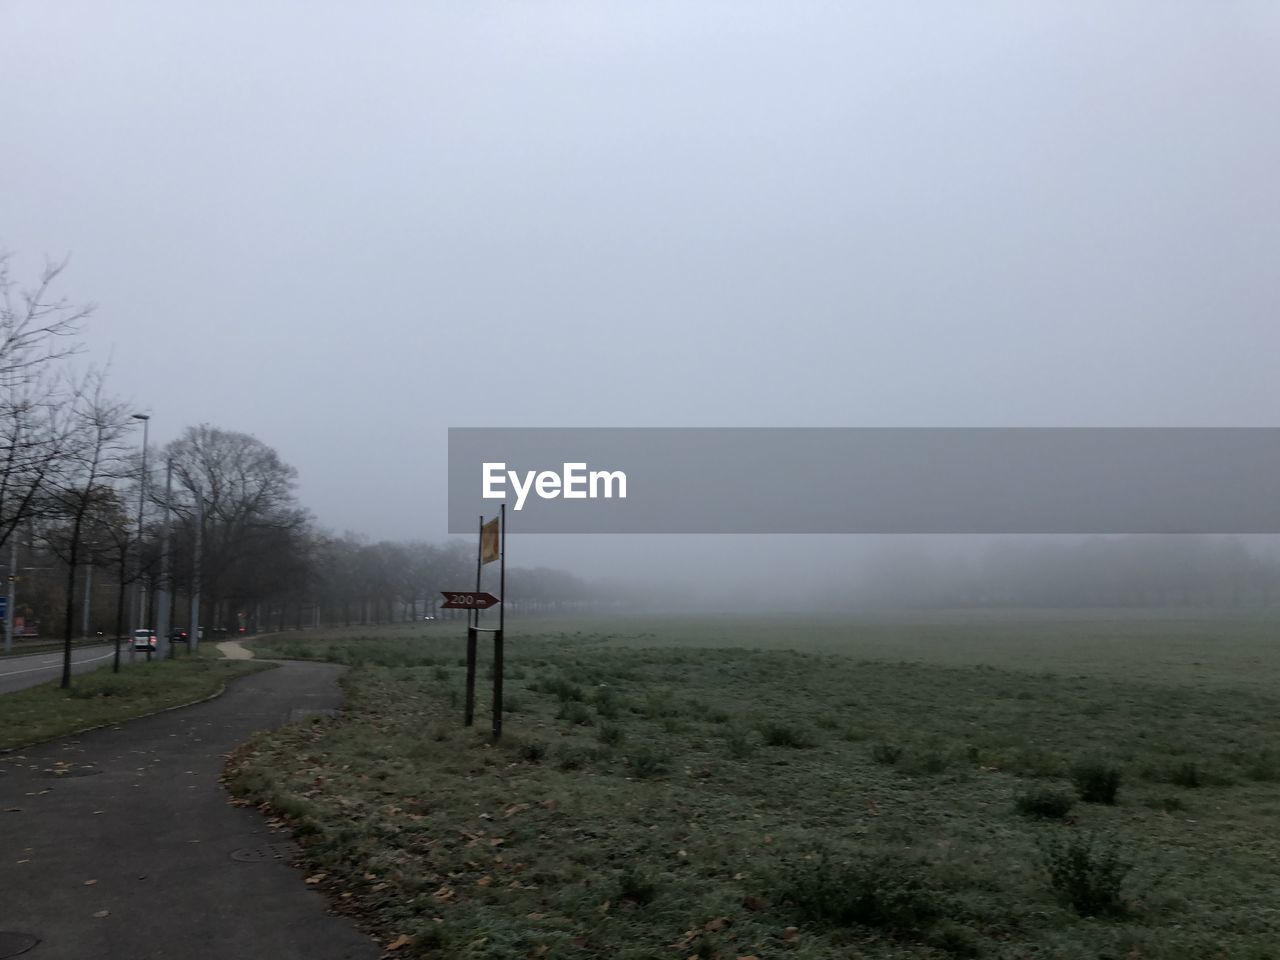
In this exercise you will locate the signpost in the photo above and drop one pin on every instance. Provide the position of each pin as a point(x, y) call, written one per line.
point(493, 542)
point(460, 600)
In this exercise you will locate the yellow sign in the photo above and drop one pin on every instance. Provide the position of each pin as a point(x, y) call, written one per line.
point(490, 542)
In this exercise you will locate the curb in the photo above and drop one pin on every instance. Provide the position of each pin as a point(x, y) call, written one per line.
point(222, 688)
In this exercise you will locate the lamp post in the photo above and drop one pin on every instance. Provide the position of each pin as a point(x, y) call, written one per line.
point(142, 493)
point(88, 592)
point(166, 588)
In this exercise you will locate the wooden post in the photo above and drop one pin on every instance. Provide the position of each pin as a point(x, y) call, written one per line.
point(473, 622)
point(502, 612)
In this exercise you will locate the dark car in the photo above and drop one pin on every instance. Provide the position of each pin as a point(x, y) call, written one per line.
point(179, 635)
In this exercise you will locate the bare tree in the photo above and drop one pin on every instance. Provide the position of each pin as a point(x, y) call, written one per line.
point(80, 483)
point(37, 328)
point(234, 499)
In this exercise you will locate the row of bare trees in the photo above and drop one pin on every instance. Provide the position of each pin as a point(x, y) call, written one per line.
point(209, 532)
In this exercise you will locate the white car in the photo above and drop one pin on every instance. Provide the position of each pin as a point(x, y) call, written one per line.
point(144, 639)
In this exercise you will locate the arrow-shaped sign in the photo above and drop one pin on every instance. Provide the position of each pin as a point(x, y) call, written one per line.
point(458, 600)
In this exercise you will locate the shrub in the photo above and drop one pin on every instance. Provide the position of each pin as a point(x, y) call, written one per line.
point(1086, 872)
point(1096, 782)
point(611, 735)
point(956, 939)
point(886, 753)
point(608, 703)
point(1186, 774)
point(573, 758)
point(1047, 803)
point(560, 688)
point(648, 762)
point(876, 892)
point(740, 744)
point(440, 673)
point(636, 885)
point(784, 735)
point(932, 762)
point(511, 703)
point(532, 752)
point(575, 712)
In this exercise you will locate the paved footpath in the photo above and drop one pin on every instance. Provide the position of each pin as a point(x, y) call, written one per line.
point(121, 843)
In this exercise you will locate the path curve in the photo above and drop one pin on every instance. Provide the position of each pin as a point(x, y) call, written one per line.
point(128, 852)
point(234, 650)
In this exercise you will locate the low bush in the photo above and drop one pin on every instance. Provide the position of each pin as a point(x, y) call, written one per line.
point(636, 885)
point(1096, 782)
point(881, 892)
point(649, 762)
point(610, 734)
point(575, 713)
point(1046, 803)
point(886, 753)
point(1086, 872)
point(786, 735)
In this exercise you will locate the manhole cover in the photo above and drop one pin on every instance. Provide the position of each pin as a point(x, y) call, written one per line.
point(60, 773)
point(268, 851)
point(12, 944)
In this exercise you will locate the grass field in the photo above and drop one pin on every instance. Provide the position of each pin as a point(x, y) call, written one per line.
point(1066, 787)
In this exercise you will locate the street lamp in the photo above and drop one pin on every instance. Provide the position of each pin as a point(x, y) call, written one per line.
point(142, 493)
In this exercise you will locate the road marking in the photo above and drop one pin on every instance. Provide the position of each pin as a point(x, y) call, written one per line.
point(74, 663)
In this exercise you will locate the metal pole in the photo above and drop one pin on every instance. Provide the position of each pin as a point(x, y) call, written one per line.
point(502, 616)
point(163, 626)
point(13, 591)
point(142, 493)
point(88, 591)
point(469, 712)
point(193, 630)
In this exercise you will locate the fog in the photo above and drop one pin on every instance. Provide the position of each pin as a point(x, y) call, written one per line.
point(345, 229)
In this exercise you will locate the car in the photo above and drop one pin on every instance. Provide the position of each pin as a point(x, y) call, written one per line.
point(144, 638)
point(179, 635)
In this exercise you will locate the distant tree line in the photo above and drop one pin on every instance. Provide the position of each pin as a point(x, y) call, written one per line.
point(1132, 571)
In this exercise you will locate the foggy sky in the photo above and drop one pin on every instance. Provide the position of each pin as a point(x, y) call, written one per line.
point(344, 228)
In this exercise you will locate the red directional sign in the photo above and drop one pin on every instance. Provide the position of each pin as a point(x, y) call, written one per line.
point(457, 600)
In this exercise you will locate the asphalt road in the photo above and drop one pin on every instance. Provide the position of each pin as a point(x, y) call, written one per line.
point(121, 843)
point(18, 673)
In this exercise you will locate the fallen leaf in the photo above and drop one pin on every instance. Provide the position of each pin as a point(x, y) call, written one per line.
point(719, 923)
point(316, 878)
point(790, 933)
point(102, 913)
point(752, 902)
point(535, 916)
point(484, 881)
point(401, 941)
point(90, 883)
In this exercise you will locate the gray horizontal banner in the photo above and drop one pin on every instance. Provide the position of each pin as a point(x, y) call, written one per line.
point(855, 480)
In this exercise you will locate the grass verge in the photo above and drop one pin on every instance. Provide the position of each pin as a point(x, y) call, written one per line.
point(102, 697)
